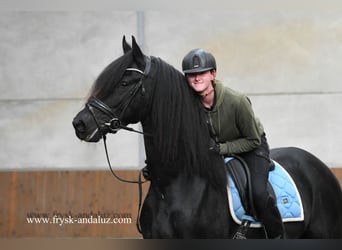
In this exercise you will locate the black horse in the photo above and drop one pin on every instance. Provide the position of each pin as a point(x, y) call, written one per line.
point(187, 197)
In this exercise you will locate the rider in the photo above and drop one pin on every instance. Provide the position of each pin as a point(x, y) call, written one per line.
point(235, 131)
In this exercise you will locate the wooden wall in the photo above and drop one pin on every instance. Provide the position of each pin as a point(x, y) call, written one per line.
point(79, 193)
point(76, 193)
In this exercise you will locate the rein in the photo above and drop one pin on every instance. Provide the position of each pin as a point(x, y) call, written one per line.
point(115, 124)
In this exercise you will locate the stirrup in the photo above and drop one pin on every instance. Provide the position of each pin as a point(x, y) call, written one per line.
point(242, 230)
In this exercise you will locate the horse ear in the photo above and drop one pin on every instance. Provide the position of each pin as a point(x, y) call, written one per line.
point(125, 46)
point(137, 53)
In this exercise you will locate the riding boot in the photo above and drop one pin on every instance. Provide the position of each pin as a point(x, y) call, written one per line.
point(272, 221)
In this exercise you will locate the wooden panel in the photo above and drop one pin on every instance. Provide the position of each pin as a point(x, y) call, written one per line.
point(75, 193)
point(338, 173)
point(64, 193)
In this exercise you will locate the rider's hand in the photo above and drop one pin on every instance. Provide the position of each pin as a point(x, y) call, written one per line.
point(214, 146)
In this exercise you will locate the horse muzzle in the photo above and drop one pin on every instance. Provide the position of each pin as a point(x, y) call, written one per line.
point(84, 133)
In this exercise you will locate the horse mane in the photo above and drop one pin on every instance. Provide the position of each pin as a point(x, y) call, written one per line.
point(182, 133)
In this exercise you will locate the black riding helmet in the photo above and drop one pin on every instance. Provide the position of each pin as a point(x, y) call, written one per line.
point(198, 60)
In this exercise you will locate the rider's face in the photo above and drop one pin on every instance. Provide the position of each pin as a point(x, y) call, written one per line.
point(201, 82)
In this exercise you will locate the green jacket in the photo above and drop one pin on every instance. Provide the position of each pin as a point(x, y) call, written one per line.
point(232, 122)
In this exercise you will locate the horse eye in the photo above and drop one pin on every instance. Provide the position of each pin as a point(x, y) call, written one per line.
point(123, 83)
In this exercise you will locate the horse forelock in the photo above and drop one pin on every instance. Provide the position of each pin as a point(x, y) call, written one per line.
point(110, 76)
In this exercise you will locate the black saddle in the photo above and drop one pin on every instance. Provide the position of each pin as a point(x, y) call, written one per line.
point(237, 168)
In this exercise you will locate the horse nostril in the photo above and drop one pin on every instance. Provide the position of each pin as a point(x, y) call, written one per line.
point(79, 125)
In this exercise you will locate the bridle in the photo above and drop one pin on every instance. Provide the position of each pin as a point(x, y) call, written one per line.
point(114, 124)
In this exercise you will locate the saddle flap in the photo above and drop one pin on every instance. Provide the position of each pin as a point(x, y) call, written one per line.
point(237, 169)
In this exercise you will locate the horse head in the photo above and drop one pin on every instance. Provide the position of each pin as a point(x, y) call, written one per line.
point(117, 96)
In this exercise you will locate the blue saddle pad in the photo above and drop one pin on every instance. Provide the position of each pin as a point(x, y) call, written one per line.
point(288, 199)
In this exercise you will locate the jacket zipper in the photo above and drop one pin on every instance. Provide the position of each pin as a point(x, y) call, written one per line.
point(211, 127)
